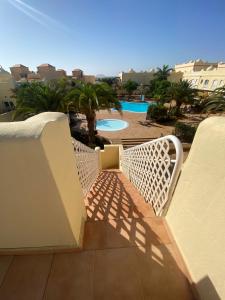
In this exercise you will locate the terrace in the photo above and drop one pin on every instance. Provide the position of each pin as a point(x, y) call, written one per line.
point(89, 224)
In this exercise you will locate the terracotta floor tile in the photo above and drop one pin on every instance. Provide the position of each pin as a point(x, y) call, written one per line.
point(128, 232)
point(143, 209)
point(71, 277)
point(5, 261)
point(136, 232)
point(117, 234)
point(128, 254)
point(155, 228)
point(112, 211)
point(160, 276)
point(94, 235)
point(115, 275)
point(26, 278)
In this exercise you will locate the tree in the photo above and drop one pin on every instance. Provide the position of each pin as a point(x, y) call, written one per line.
point(36, 97)
point(130, 86)
point(216, 101)
point(159, 89)
point(109, 80)
point(159, 85)
point(163, 74)
point(182, 93)
point(88, 98)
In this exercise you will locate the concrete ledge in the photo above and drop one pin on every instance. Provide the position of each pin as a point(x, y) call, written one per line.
point(196, 214)
point(41, 201)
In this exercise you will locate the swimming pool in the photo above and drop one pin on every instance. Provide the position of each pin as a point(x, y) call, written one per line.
point(111, 125)
point(138, 107)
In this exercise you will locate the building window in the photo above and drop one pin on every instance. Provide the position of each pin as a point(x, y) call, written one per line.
point(214, 84)
point(221, 83)
point(8, 106)
point(12, 105)
point(193, 82)
point(206, 82)
point(201, 81)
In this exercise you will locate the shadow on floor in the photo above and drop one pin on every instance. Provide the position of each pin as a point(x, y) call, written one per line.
point(139, 261)
point(149, 124)
point(127, 254)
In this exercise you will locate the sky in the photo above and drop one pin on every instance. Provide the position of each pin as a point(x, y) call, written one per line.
point(110, 36)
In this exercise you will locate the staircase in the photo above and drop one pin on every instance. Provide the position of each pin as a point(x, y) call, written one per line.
point(134, 255)
point(128, 252)
point(131, 142)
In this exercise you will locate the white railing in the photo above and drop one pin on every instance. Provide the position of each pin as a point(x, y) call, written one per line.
point(151, 169)
point(87, 161)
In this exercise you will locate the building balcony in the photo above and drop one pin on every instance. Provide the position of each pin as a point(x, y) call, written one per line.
point(110, 224)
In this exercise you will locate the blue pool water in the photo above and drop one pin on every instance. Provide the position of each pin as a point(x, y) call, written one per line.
point(111, 124)
point(138, 107)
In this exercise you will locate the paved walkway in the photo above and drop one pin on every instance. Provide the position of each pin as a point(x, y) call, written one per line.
point(127, 254)
point(138, 128)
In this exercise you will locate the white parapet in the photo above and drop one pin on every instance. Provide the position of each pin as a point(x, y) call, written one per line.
point(41, 199)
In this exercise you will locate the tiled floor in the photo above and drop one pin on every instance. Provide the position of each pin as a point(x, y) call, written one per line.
point(127, 254)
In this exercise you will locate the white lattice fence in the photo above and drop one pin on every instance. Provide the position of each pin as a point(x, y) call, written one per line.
point(87, 161)
point(152, 171)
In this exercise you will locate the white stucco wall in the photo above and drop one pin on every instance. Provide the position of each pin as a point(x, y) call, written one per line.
point(41, 203)
point(196, 215)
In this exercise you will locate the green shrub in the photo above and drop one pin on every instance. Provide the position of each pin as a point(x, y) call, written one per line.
point(161, 113)
point(157, 112)
point(185, 132)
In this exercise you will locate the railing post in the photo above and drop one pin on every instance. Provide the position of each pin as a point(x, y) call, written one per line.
point(98, 151)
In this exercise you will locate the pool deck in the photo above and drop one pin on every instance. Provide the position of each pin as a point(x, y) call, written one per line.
point(138, 127)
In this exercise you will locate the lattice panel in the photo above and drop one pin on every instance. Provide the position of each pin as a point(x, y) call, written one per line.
point(87, 161)
point(148, 166)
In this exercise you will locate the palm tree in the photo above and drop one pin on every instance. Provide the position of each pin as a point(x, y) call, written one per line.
point(216, 102)
point(130, 86)
point(88, 98)
point(36, 97)
point(182, 93)
point(163, 74)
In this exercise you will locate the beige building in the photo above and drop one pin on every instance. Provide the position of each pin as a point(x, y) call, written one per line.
point(144, 77)
point(89, 78)
point(19, 72)
point(33, 77)
point(44, 69)
point(203, 75)
point(49, 72)
point(44, 72)
point(77, 74)
point(7, 83)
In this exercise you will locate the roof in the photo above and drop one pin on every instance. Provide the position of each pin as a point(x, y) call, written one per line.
point(4, 73)
point(46, 65)
point(77, 70)
point(18, 66)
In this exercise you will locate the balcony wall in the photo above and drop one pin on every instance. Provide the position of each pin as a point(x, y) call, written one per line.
point(196, 215)
point(109, 157)
point(41, 203)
